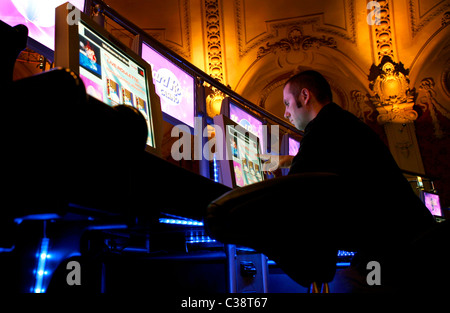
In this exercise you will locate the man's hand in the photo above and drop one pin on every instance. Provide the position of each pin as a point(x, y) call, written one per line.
point(274, 162)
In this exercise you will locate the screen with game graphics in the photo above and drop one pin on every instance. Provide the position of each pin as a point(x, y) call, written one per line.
point(244, 152)
point(175, 87)
point(111, 76)
point(294, 145)
point(248, 121)
point(240, 165)
point(37, 15)
point(432, 202)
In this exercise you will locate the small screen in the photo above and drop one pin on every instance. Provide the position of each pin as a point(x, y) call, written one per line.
point(37, 15)
point(175, 87)
point(248, 122)
point(244, 154)
point(432, 202)
point(294, 145)
point(112, 77)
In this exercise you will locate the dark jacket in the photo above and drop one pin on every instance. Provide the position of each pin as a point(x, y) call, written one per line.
point(376, 209)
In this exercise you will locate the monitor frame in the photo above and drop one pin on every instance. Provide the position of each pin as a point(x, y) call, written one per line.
point(228, 175)
point(67, 56)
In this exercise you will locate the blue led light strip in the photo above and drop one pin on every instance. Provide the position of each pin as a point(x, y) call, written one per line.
point(180, 222)
point(202, 240)
point(40, 271)
point(198, 237)
point(216, 170)
point(342, 253)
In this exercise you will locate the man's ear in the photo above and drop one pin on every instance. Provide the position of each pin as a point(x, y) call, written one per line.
point(305, 95)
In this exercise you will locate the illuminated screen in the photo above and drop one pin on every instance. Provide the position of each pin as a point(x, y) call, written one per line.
point(431, 201)
point(37, 15)
point(174, 86)
point(247, 121)
point(244, 154)
point(294, 145)
point(112, 77)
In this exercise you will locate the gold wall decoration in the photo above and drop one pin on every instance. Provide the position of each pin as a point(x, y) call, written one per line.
point(275, 28)
point(421, 18)
point(270, 87)
point(427, 101)
point(296, 41)
point(445, 79)
point(214, 41)
point(446, 19)
point(359, 107)
point(390, 83)
point(383, 33)
point(213, 100)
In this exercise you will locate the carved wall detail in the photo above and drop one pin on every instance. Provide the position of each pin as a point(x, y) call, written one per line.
point(445, 79)
point(427, 101)
point(359, 107)
point(350, 35)
point(419, 22)
point(296, 41)
point(390, 83)
point(214, 41)
point(270, 87)
point(383, 33)
point(274, 28)
point(445, 19)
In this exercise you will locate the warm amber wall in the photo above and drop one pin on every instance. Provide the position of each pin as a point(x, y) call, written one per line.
point(255, 45)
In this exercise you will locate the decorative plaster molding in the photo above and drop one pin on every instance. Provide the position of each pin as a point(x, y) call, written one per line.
point(359, 106)
point(445, 19)
point(393, 98)
point(383, 33)
point(214, 41)
point(270, 87)
point(275, 28)
point(296, 41)
point(390, 83)
point(427, 100)
point(418, 22)
point(350, 31)
point(445, 79)
point(402, 113)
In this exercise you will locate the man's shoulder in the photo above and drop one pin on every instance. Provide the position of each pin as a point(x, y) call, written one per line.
point(334, 116)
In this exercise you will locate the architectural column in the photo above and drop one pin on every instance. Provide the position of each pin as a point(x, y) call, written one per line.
point(215, 67)
point(392, 96)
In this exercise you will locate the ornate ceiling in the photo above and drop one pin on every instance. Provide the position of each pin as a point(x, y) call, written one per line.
point(387, 61)
point(254, 45)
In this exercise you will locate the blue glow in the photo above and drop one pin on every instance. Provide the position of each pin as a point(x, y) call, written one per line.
point(215, 169)
point(107, 227)
point(198, 236)
point(2, 250)
point(201, 240)
point(343, 264)
point(342, 253)
point(43, 216)
point(180, 222)
point(40, 271)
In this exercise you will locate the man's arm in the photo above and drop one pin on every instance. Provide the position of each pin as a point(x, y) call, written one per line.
point(274, 162)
